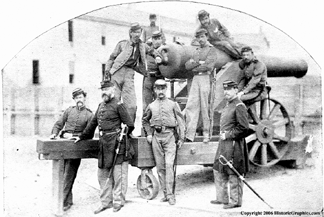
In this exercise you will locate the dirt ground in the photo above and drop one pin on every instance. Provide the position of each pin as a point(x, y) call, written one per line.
point(27, 188)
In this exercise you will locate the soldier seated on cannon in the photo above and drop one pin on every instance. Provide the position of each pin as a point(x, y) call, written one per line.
point(253, 84)
point(71, 124)
point(218, 35)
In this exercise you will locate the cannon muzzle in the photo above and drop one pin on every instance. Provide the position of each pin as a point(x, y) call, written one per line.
point(174, 57)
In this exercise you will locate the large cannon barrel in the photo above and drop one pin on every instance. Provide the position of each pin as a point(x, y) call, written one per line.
point(175, 56)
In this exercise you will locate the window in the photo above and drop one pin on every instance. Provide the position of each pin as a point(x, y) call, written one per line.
point(103, 40)
point(103, 68)
point(71, 72)
point(70, 26)
point(35, 72)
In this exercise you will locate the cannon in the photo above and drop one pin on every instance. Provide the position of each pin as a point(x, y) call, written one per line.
point(269, 140)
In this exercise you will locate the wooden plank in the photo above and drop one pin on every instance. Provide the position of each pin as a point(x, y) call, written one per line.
point(57, 186)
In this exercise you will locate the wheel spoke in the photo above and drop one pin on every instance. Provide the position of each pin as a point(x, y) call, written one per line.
point(274, 150)
point(282, 138)
point(263, 109)
point(264, 157)
point(250, 138)
point(281, 122)
point(253, 115)
point(273, 111)
point(252, 127)
point(254, 150)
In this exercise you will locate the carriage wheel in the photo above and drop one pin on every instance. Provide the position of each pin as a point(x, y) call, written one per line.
point(150, 188)
point(270, 129)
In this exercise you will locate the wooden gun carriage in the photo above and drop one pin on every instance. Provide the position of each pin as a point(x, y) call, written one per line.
point(269, 141)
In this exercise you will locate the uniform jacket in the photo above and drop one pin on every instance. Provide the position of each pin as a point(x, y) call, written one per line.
point(234, 123)
point(163, 112)
point(73, 120)
point(216, 31)
point(122, 53)
point(151, 64)
point(255, 76)
point(207, 54)
point(108, 118)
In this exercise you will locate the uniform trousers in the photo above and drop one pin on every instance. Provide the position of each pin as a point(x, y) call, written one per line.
point(234, 194)
point(71, 167)
point(148, 94)
point(198, 105)
point(115, 190)
point(125, 89)
point(164, 150)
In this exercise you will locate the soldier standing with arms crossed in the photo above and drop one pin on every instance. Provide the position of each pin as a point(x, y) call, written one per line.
point(74, 120)
point(233, 129)
point(161, 121)
point(108, 117)
point(202, 64)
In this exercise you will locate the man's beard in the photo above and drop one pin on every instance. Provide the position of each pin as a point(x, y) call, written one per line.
point(107, 97)
point(161, 95)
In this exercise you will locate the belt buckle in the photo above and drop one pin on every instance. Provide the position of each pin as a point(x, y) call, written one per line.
point(163, 128)
point(100, 133)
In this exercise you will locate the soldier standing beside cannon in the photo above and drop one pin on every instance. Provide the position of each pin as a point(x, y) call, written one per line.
point(149, 30)
point(233, 129)
point(127, 57)
point(153, 73)
point(218, 35)
point(108, 117)
point(163, 122)
point(73, 121)
point(202, 65)
point(254, 81)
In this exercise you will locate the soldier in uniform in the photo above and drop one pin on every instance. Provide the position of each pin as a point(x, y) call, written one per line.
point(218, 35)
point(163, 122)
point(73, 121)
point(233, 129)
point(108, 117)
point(153, 71)
point(202, 65)
point(149, 30)
point(129, 55)
point(254, 81)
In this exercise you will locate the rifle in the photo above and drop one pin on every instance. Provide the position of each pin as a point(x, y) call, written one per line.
point(175, 170)
point(211, 103)
point(240, 177)
point(122, 134)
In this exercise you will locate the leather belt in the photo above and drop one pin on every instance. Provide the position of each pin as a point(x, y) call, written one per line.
point(108, 132)
point(202, 73)
point(160, 129)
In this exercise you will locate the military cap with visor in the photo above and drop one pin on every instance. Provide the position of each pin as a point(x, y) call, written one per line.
point(77, 92)
point(229, 84)
point(246, 49)
point(201, 32)
point(135, 26)
point(152, 16)
point(156, 34)
point(105, 84)
point(160, 83)
point(202, 14)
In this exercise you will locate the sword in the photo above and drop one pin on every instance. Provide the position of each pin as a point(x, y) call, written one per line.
point(122, 134)
point(224, 161)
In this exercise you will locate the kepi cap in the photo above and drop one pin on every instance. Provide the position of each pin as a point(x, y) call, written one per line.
point(246, 49)
point(105, 84)
point(201, 32)
point(135, 26)
point(152, 16)
point(228, 84)
point(156, 34)
point(160, 83)
point(77, 92)
point(202, 14)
